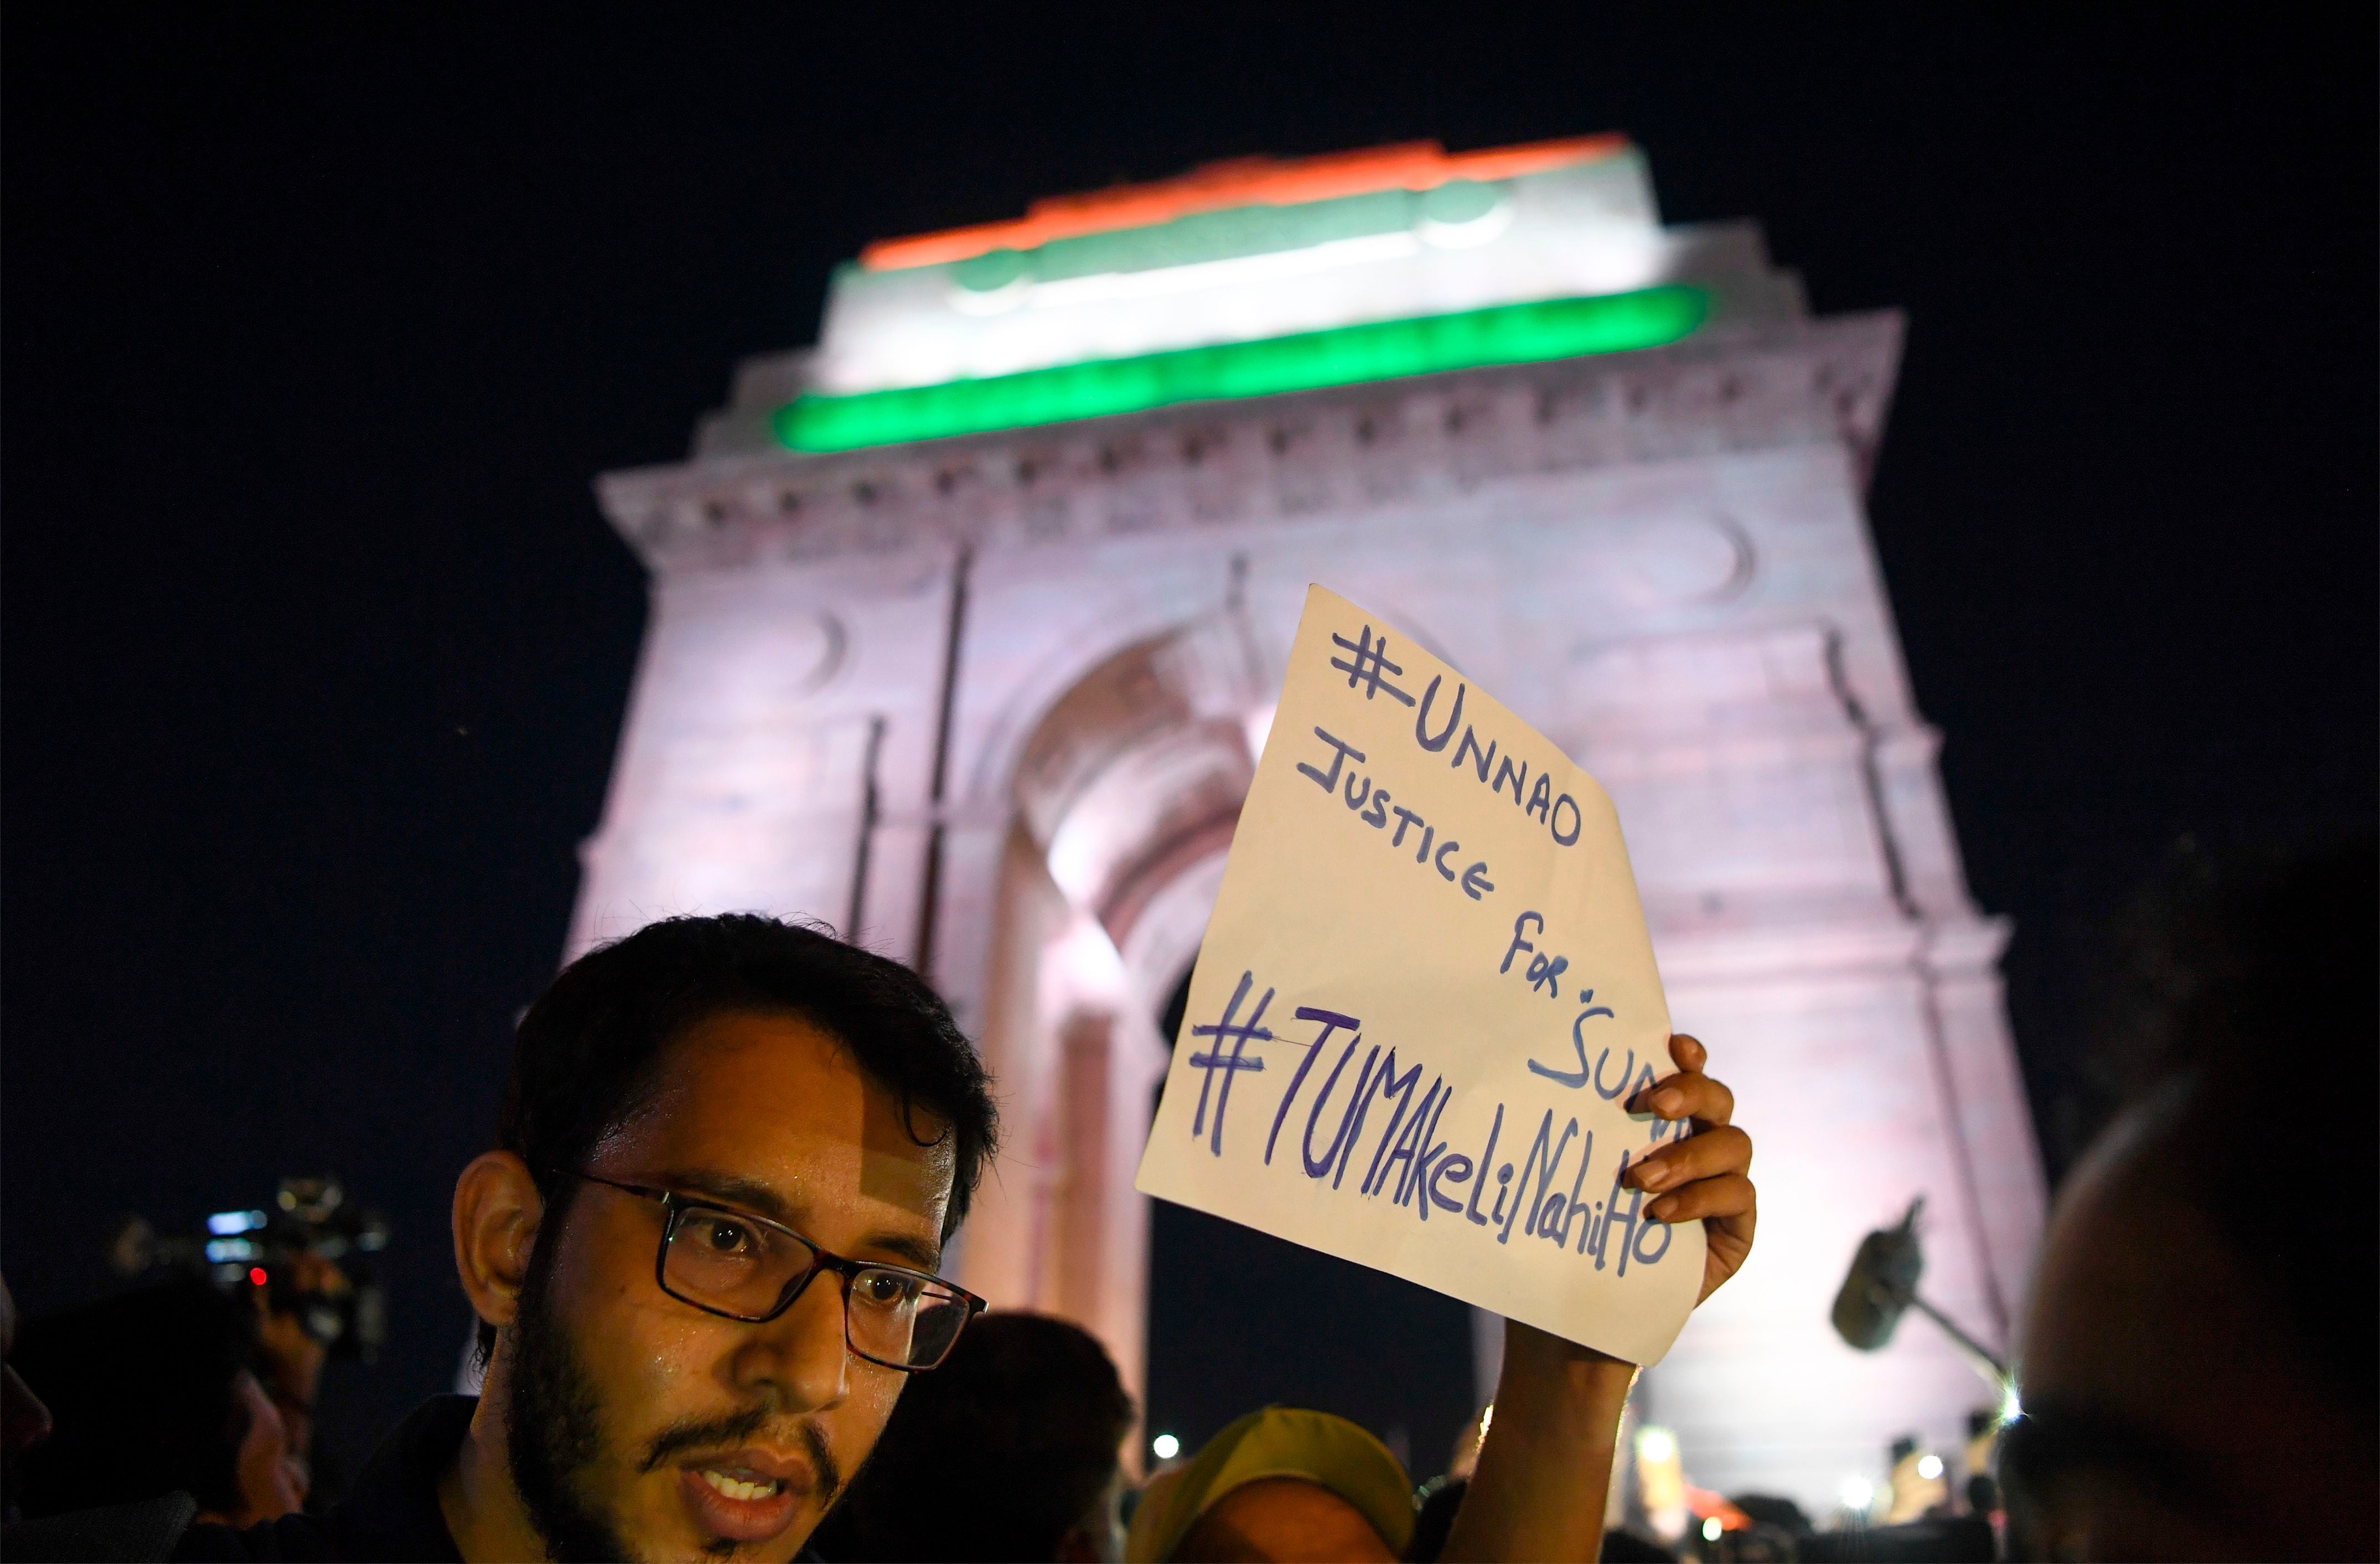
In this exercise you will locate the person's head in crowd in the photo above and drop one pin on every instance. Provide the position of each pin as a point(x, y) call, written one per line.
point(24, 1419)
point(1282, 1483)
point(729, 1154)
point(150, 1391)
point(1016, 1437)
point(2197, 1368)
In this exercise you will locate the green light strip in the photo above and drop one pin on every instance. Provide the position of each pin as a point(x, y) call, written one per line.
point(1506, 333)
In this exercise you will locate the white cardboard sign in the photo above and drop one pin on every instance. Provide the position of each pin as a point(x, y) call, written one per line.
point(1426, 994)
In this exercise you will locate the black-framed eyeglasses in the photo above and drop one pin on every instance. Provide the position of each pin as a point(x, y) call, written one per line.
point(741, 1267)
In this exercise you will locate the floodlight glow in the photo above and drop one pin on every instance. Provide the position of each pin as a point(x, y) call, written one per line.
point(1507, 333)
point(1258, 725)
point(1654, 1446)
point(234, 1221)
point(2011, 1408)
point(1165, 1446)
point(1857, 1493)
point(1711, 1527)
point(1929, 1467)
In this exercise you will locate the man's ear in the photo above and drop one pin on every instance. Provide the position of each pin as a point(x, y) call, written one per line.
point(497, 1209)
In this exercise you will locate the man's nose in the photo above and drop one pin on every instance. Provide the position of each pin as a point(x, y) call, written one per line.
point(801, 1353)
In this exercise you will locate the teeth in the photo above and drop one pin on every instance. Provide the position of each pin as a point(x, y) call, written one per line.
point(736, 1488)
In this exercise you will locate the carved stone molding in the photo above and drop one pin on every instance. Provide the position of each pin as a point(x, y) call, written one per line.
point(1274, 459)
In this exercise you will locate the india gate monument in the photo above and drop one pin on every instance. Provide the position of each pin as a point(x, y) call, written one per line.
point(966, 623)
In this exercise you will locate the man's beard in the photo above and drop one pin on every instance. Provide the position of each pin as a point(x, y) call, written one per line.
point(554, 1436)
point(554, 1429)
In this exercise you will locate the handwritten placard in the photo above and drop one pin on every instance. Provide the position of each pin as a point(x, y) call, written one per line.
point(1425, 997)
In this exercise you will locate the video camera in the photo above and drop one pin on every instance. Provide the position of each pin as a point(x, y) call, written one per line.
point(261, 1247)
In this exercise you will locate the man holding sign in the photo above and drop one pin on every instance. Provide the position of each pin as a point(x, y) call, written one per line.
point(1426, 1034)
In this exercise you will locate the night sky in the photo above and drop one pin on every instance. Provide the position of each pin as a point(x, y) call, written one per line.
point(318, 323)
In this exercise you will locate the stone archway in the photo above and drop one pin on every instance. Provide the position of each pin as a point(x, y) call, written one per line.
point(1124, 793)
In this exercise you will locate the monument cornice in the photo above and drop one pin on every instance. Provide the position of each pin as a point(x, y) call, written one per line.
point(1199, 465)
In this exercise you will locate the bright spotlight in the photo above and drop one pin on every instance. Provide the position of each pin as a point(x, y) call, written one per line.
point(1165, 1446)
point(2011, 1409)
point(1929, 1467)
point(1711, 1527)
point(1654, 1447)
point(1857, 1493)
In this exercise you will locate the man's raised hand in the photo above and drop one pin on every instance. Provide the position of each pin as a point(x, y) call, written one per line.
point(1705, 1177)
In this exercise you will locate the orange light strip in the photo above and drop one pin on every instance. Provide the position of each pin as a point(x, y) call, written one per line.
point(1246, 181)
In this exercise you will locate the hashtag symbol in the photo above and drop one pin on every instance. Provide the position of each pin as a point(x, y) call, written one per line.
point(1371, 660)
point(1215, 1060)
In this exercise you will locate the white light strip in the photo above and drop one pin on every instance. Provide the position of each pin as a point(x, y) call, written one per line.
point(1105, 287)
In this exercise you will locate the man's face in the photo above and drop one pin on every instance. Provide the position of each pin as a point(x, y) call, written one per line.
point(2169, 1412)
point(668, 1433)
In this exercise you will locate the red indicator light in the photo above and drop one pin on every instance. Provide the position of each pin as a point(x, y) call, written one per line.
point(256, 1275)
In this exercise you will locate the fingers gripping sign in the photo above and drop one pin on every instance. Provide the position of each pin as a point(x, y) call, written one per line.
point(1705, 1177)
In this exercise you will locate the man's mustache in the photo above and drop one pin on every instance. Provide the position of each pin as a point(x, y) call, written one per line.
point(728, 1432)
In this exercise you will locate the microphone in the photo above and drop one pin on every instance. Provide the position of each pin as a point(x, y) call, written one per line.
point(1882, 1287)
point(1882, 1281)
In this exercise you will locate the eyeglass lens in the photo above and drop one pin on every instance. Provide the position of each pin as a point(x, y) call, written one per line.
point(730, 1263)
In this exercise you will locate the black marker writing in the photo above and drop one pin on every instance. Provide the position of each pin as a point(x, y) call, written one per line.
point(1231, 1064)
point(1331, 1021)
point(1369, 662)
point(1578, 1041)
point(1344, 749)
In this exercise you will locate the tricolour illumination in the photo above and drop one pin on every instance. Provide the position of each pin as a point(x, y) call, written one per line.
point(1241, 182)
point(1507, 333)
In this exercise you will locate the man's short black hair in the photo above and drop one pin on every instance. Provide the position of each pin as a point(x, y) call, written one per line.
point(585, 1054)
point(994, 1455)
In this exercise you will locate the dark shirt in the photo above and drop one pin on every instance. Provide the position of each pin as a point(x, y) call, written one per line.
point(390, 1515)
point(144, 1529)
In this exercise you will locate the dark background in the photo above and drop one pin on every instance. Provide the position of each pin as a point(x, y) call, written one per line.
point(317, 323)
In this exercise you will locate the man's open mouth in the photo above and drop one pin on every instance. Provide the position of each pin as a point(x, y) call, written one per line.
point(748, 1495)
point(745, 1486)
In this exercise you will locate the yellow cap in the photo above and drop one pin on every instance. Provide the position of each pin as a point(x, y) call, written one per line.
point(1275, 1442)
